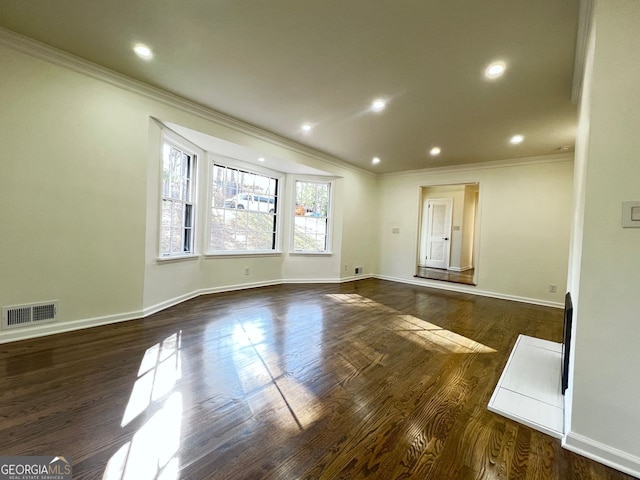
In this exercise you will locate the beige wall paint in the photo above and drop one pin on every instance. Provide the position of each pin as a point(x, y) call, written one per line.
point(90, 239)
point(360, 225)
point(79, 200)
point(468, 226)
point(522, 230)
point(605, 412)
point(77, 176)
point(72, 190)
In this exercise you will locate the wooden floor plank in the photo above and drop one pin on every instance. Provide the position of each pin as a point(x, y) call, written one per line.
point(369, 379)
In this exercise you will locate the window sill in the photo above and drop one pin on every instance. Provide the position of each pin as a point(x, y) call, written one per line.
point(241, 254)
point(310, 254)
point(177, 258)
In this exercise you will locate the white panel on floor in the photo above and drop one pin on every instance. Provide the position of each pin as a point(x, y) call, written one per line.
point(529, 390)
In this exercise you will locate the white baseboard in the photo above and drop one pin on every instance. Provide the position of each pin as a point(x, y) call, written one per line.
point(7, 336)
point(239, 286)
point(168, 303)
point(460, 269)
point(286, 281)
point(602, 453)
point(68, 326)
point(353, 278)
point(461, 288)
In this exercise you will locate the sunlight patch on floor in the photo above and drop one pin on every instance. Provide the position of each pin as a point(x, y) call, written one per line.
point(151, 454)
point(422, 333)
point(267, 386)
point(160, 369)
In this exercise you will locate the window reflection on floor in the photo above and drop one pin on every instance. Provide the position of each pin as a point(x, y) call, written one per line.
point(253, 361)
point(263, 371)
point(152, 452)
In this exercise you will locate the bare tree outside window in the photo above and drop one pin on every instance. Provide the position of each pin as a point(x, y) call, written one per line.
point(311, 217)
point(177, 209)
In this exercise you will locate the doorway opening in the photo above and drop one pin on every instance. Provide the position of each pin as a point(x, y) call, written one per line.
point(447, 231)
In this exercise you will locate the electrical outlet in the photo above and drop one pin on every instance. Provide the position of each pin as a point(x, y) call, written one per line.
point(553, 288)
point(346, 267)
point(358, 270)
point(246, 270)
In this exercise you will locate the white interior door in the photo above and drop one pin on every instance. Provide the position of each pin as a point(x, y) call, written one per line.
point(439, 212)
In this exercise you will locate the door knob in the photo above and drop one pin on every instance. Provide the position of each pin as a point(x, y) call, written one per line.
point(446, 238)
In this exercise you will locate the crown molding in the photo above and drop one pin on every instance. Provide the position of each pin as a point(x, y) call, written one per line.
point(61, 58)
point(513, 162)
point(582, 37)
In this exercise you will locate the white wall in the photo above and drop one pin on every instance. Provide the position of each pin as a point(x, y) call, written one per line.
point(522, 229)
point(79, 197)
point(605, 407)
point(72, 190)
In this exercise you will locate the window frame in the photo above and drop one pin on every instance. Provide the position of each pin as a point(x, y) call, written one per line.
point(230, 162)
point(331, 182)
point(174, 140)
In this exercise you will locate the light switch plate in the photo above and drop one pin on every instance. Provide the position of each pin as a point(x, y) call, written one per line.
point(631, 214)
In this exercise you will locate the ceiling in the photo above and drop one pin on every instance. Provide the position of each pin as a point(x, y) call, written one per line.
point(278, 64)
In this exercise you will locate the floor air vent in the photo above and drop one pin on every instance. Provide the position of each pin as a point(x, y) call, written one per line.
point(24, 315)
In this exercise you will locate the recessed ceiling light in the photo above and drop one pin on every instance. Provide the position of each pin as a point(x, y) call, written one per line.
point(564, 148)
point(378, 105)
point(516, 139)
point(261, 159)
point(143, 51)
point(434, 151)
point(375, 160)
point(495, 70)
point(307, 127)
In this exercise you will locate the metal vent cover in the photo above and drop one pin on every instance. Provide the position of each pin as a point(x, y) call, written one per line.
point(16, 316)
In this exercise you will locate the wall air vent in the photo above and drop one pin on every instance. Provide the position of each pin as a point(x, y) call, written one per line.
point(17, 316)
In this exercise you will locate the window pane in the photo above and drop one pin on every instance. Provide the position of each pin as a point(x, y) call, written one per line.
point(166, 170)
point(177, 208)
point(165, 230)
point(322, 206)
point(177, 214)
point(311, 216)
point(243, 210)
point(187, 239)
point(188, 220)
point(175, 172)
point(176, 240)
point(167, 206)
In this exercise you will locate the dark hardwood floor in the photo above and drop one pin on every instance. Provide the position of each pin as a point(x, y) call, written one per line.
point(465, 277)
point(369, 379)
